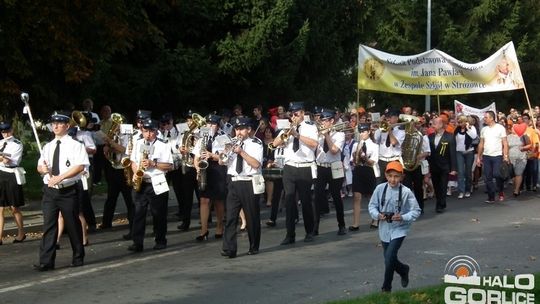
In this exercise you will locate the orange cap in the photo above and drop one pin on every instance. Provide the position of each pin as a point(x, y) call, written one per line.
point(395, 165)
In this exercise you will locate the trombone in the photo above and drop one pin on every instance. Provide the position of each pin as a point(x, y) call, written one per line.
point(405, 119)
point(339, 127)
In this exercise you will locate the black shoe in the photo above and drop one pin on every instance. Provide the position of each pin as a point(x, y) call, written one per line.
point(309, 238)
point(342, 231)
point(315, 232)
point(374, 224)
point(77, 264)
point(384, 290)
point(57, 246)
point(229, 254)
point(439, 210)
point(159, 246)
point(252, 252)
point(183, 227)
point(352, 228)
point(203, 237)
point(91, 229)
point(271, 223)
point(15, 241)
point(405, 277)
point(104, 227)
point(127, 237)
point(218, 235)
point(135, 248)
point(43, 267)
point(288, 240)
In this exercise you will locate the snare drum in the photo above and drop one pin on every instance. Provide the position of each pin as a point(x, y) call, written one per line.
point(272, 173)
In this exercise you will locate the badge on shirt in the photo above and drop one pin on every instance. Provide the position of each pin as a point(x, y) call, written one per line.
point(68, 163)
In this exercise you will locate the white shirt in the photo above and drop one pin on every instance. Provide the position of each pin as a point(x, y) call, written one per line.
point(253, 147)
point(86, 138)
point(72, 153)
point(390, 151)
point(460, 139)
point(157, 150)
point(338, 138)
point(372, 152)
point(13, 147)
point(493, 139)
point(216, 148)
point(304, 153)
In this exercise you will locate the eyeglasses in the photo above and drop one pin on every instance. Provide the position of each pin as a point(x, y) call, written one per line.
point(296, 114)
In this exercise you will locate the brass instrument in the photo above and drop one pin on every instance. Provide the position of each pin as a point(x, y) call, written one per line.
point(137, 182)
point(113, 135)
point(202, 164)
point(285, 135)
point(126, 162)
point(188, 140)
point(78, 119)
point(385, 126)
point(225, 155)
point(412, 144)
point(340, 127)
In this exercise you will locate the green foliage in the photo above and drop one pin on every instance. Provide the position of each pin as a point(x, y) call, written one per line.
point(168, 55)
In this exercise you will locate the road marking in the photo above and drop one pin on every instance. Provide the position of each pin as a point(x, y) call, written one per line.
point(86, 271)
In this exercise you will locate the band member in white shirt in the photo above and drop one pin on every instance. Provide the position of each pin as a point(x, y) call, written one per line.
point(329, 170)
point(300, 142)
point(153, 158)
point(389, 142)
point(245, 162)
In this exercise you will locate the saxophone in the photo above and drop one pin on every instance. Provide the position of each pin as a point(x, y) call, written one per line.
point(140, 172)
point(126, 162)
point(203, 165)
point(412, 144)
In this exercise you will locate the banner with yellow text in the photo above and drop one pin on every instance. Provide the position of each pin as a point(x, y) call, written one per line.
point(437, 73)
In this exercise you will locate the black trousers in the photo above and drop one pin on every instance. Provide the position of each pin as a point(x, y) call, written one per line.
point(414, 180)
point(240, 196)
point(324, 177)
point(188, 185)
point(174, 178)
point(158, 207)
point(276, 197)
point(439, 177)
point(298, 180)
point(99, 164)
point(116, 184)
point(65, 201)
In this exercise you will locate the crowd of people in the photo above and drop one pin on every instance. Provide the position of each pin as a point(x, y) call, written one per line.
point(234, 163)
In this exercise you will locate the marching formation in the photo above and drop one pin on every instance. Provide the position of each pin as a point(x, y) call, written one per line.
point(234, 164)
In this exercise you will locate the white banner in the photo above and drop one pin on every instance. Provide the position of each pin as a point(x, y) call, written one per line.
point(437, 73)
point(461, 108)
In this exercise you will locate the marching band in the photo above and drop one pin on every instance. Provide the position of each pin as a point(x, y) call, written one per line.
point(228, 163)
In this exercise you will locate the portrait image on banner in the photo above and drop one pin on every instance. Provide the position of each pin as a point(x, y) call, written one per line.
point(437, 73)
point(461, 108)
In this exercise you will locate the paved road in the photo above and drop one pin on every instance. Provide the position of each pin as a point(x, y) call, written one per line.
point(503, 238)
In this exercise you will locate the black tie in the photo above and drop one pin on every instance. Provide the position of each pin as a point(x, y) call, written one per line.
point(325, 147)
point(388, 139)
point(296, 142)
point(56, 160)
point(169, 134)
point(3, 147)
point(364, 148)
point(239, 163)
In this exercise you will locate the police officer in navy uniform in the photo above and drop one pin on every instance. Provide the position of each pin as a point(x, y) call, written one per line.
point(61, 164)
point(299, 171)
point(189, 177)
point(157, 162)
point(11, 192)
point(328, 157)
point(245, 162)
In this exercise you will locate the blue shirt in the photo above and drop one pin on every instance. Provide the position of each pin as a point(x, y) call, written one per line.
point(409, 211)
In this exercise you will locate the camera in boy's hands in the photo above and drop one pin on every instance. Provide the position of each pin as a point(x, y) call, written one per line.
point(388, 216)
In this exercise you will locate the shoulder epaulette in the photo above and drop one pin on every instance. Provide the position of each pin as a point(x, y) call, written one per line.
point(16, 141)
point(309, 122)
point(257, 140)
point(162, 140)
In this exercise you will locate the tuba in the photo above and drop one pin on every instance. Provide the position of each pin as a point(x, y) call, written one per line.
point(78, 119)
point(412, 144)
point(188, 140)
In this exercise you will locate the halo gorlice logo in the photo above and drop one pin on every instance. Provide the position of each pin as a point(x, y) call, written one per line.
point(464, 270)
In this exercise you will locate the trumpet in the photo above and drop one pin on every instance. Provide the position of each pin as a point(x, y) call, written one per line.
point(229, 148)
point(340, 127)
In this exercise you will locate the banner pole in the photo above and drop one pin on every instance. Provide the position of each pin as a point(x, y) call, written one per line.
point(439, 104)
point(529, 104)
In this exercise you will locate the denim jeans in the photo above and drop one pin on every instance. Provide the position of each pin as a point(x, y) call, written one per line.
point(531, 174)
point(464, 168)
point(391, 262)
point(492, 165)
